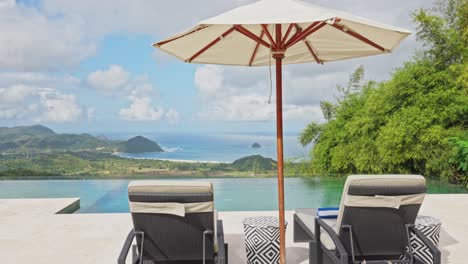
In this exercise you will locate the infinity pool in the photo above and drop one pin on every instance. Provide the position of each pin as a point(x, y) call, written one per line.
point(245, 194)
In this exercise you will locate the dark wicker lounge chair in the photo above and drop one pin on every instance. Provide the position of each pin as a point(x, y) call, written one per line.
point(377, 214)
point(174, 222)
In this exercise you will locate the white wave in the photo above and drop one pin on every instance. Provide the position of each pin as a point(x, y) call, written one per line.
point(166, 149)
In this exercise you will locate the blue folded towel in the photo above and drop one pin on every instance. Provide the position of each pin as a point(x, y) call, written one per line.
point(328, 212)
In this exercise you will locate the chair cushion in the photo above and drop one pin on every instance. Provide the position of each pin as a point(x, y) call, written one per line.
point(390, 180)
point(156, 186)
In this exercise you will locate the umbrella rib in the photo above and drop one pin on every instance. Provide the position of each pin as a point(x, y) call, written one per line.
point(265, 29)
point(288, 31)
point(358, 36)
point(251, 35)
point(211, 44)
point(299, 34)
point(255, 50)
point(296, 34)
point(181, 36)
point(305, 33)
point(309, 46)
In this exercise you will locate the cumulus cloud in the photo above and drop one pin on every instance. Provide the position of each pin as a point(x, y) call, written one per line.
point(141, 105)
point(29, 103)
point(31, 40)
point(141, 109)
point(114, 77)
point(38, 44)
point(66, 81)
point(208, 79)
point(140, 16)
point(242, 94)
point(91, 113)
point(138, 90)
point(172, 116)
point(59, 107)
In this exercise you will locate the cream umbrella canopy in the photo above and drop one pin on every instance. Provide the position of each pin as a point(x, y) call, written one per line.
point(288, 32)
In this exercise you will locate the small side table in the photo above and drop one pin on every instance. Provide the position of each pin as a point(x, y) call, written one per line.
point(262, 239)
point(430, 227)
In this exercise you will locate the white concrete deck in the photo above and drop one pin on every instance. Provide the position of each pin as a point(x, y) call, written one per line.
point(31, 232)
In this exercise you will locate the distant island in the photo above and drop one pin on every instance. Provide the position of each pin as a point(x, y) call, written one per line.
point(39, 151)
point(255, 145)
point(39, 139)
point(139, 144)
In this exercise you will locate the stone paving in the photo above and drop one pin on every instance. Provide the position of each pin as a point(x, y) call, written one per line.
point(32, 232)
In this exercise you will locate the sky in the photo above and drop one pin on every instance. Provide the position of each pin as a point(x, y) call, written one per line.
point(88, 66)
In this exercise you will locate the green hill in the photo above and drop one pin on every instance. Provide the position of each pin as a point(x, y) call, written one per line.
point(139, 144)
point(39, 139)
point(67, 142)
point(254, 163)
point(10, 134)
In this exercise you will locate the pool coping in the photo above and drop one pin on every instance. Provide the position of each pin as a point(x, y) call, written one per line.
point(70, 208)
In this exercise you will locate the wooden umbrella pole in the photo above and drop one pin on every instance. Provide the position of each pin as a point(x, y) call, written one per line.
point(278, 55)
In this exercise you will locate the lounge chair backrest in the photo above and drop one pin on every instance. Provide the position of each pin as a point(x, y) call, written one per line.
point(378, 208)
point(173, 216)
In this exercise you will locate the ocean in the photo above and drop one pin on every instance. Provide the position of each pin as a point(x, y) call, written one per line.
point(219, 147)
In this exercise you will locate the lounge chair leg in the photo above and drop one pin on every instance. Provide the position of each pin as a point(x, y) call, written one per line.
point(351, 242)
point(410, 247)
point(142, 234)
point(134, 253)
point(226, 250)
point(205, 233)
point(319, 256)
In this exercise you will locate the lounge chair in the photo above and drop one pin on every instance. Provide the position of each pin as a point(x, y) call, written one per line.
point(376, 215)
point(174, 222)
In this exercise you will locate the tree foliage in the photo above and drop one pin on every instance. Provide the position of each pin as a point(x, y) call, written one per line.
point(405, 124)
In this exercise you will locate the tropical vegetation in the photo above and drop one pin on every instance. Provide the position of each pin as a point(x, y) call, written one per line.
point(91, 164)
point(415, 122)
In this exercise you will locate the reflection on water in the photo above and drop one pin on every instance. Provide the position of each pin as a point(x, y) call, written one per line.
point(231, 194)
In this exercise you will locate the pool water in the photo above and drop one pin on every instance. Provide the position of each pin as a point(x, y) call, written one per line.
point(231, 194)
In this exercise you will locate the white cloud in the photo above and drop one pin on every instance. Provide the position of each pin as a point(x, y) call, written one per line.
point(140, 94)
point(300, 112)
point(172, 116)
point(208, 79)
point(247, 107)
point(91, 113)
point(242, 94)
point(114, 77)
point(38, 45)
point(140, 16)
point(30, 103)
point(141, 109)
point(31, 40)
point(59, 107)
point(64, 81)
point(254, 107)
point(16, 94)
point(137, 89)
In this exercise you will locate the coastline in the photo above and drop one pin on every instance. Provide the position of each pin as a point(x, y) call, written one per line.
point(122, 155)
point(92, 165)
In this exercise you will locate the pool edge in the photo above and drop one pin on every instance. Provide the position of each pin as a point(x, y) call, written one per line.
point(71, 208)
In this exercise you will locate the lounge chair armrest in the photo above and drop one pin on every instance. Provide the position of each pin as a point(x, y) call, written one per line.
point(126, 247)
point(432, 248)
point(320, 224)
point(222, 254)
point(301, 232)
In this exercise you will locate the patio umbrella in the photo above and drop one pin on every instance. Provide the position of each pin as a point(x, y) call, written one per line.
point(286, 31)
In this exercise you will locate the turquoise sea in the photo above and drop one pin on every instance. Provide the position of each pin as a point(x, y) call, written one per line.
point(231, 194)
point(220, 147)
